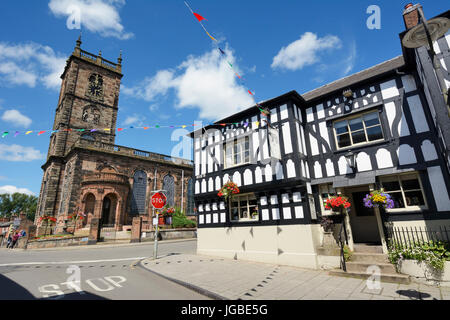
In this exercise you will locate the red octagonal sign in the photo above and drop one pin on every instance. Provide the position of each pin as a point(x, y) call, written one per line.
point(159, 200)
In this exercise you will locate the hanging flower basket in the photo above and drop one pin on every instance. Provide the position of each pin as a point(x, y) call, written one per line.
point(378, 198)
point(338, 204)
point(228, 190)
point(168, 212)
point(47, 219)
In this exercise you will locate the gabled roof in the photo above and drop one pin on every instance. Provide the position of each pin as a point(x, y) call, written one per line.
point(355, 78)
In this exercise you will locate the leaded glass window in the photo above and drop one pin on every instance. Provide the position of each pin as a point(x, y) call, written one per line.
point(169, 186)
point(139, 192)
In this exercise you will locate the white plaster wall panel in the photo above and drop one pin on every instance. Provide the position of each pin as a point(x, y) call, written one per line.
point(200, 208)
point(268, 173)
point(307, 170)
point(287, 138)
point(363, 162)
point(299, 212)
point(285, 198)
point(210, 138)
point(390, 113)
point(309, 115)
point(287, 213)
point(214, 206)
point(222, 217)
point(208, 218)
point(403, 128)
point(248, 177)
point(389, 89)
point(237, 178)
point(303, 168)
point(420, 122)
point(217, 155)
point(265, 147)
point(295, 112)
point(263, 201)
point(215, 218)
point(299, 142)
point(210, 185)
point(203, 186)
point(308, 188)
point(197, 143)
point(207, 207)
point(440, 192)
point(283, 112)
point(302, 134)
point(197, 187)
point(409, 84)
point(314, 145)
point(218, 183)
point(384, 159)
point(330, 168)
point(256, 151)
point(324, 134)
point(296, 197)
point(254, 124)
point(273, 115)
point(197, 163)
point(258, 175)
point(406, 155)
point(222, 205)
point(320, 111)
point(317, 170)
point(356, 105)
point(273, 199)
point(279, 171)
point(343, 166)
point(265, 214)
point(226, 178)
point(201, 219)
point(275, 213)
point(290, 166)
point(203, 161)
point(300, 116)
point(210, 160)
point(429, 151)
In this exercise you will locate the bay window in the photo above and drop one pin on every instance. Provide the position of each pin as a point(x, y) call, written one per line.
point(406, 191)
point(237, 152)
point(244, 208)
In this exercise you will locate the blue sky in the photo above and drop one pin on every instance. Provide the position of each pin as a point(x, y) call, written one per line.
point(173, 75)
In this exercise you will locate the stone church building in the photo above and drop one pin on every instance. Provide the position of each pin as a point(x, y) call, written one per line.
point(85, 171)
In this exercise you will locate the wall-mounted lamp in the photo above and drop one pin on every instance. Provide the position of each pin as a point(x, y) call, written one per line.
point(350, 157)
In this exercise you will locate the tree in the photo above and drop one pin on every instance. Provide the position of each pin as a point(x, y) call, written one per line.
point(16, 203)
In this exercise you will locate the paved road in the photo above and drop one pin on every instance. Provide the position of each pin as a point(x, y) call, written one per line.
point(99, 272)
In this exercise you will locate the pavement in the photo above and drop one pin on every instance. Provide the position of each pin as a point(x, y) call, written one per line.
point(220, 278)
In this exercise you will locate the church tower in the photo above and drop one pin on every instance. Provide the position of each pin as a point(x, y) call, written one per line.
point(87, 108)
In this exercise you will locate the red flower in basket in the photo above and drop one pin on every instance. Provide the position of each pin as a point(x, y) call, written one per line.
point(228, 189)
point(337, 203)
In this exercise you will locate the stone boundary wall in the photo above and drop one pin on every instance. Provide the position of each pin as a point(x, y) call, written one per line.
point(52, 243)
point(423, 273)
point(170, 234)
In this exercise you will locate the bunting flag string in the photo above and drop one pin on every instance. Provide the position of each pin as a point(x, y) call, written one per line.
point(4, 134)
point(264, 112)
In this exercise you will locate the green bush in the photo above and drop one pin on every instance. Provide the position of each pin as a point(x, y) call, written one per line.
point(179, 220)
point(347, 253)
point(435, 253)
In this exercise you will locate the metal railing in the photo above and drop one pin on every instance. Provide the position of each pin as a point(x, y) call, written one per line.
point(409, 237)
point(342, 242)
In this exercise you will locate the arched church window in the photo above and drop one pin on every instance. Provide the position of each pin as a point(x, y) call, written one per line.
point(169, 186)
point(95, 86)
point(190, 198)
point(138, 195)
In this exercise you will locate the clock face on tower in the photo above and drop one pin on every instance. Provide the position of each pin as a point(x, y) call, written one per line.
point(95, 87)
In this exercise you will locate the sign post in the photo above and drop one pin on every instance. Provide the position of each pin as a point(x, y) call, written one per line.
point(158, 202)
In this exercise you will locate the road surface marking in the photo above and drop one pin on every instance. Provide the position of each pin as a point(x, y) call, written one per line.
point(68, 262)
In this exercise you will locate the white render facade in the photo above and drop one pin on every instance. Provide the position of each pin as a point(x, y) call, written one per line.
point(288, 163)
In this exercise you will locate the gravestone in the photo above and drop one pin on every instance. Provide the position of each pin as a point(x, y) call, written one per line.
point(136, 229)
point(94, 231)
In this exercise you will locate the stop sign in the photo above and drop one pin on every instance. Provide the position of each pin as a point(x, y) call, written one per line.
point(159, 200)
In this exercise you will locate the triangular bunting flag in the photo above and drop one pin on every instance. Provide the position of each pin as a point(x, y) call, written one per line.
point(199, 17)
point(119, 129)
point(5, 134)
point(41, 132)
point(28, 132)
point(17, 133)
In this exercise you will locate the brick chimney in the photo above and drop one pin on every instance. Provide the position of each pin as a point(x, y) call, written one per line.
point(411, 15)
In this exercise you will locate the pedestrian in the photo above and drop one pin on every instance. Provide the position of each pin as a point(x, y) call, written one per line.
point(9, 240)
point(14, 239)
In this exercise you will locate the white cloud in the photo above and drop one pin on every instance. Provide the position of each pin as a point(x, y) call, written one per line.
point(205, 82)
point(304, 51)
point(16, 118)
point(134, 119)
point(13, 189)
point(99, 16)
point(27, 64)
point(17, 153)
point(349, 62)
